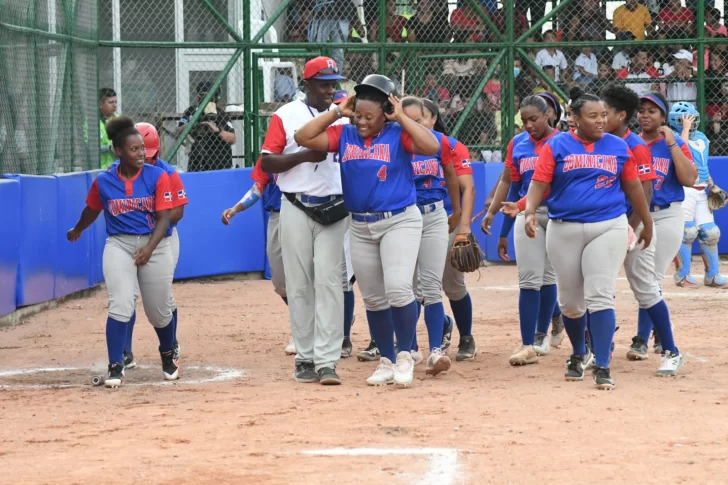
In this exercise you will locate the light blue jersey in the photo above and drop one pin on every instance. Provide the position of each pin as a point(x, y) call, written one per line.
point(699, 145)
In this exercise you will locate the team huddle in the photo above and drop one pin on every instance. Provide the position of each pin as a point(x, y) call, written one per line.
point(370, 189)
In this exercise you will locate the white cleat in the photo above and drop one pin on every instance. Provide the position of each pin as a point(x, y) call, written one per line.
point(404, 370)
point(290, 349)
point(541, 344)
point(670, 364)
point(384, 375)
point(417, 357)
point(437, 362)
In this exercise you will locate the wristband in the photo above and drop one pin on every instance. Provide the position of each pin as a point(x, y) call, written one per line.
point(670, 147)
point(337, 111)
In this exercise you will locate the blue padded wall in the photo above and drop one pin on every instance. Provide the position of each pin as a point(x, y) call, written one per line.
point(207, 247)
point(266, 268)
point(39, 239)
point(74, 259)
point(9, 244)
point(492, 176)
point(97, 234)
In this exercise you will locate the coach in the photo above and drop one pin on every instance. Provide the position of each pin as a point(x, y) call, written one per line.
point(313, 223)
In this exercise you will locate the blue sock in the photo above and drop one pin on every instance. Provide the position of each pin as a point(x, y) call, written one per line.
point(434, 316)
point(129, 333)
point(589, 338)
point(381, 329)
point(529, 302)
point(174, 322)
point(462, 312)
point(603, 324)
point(576, 330)
point(166, 337)
point(405, 324)
point(546, 312)
point(414, 347)
point(644, 324)
point(115, 338)
point(660, 316)
point(557, 308)
point(348, 312)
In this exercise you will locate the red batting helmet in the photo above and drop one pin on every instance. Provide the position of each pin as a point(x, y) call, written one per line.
point(150, 137)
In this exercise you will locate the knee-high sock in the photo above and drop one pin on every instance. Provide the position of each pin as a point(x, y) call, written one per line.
point(166, 337)
point(529, 302)
point(115, 337)
point(434, 316)
point(174, 322)
point(462, 312)
point(660, 316)
point(129, 333)
point(348, 312)
point(644, 324)
point(576, 330)
point(405, 324)
point(588, 331)
point(381, 329)
point(603, 324)
point(414, 345)
point(546, 312)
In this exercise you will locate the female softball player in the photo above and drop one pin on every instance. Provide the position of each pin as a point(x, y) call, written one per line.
point(379, 192)
point(136, 199)
point(674, 170)
point(152, 147)
point(536, 278)
point(622, 103)
point(588, 174)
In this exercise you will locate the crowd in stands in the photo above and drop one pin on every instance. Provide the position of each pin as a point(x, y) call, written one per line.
point(670, 68)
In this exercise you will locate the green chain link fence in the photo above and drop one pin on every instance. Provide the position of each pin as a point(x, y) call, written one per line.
point(186, 65)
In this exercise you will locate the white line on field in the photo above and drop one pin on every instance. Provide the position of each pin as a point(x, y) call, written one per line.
point(443, 461)
point(699, 359)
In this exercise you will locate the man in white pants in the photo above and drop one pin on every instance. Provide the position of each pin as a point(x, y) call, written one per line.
point(313, 252)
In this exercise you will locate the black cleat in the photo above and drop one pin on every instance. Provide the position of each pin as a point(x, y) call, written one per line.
point(575, 368)
point(638, 349)
point(327, 376)
point(129, 362)
point(466, 349)
point(447, 333)
point(603, 378)
point(116, 375)
point(346, 348)
point(305, 372)
point(369, 354)
point(170, 366)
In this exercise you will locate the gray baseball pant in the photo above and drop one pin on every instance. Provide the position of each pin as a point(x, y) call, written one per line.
point(275, 256)
point(534, 266)
point(639, 266)
point(154, 279)
point(432, 256)
point(586, 258)
point(313, 256)
point(669, 226)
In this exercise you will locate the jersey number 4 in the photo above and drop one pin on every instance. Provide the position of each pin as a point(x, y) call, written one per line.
point(382, 173)
point(604, 181)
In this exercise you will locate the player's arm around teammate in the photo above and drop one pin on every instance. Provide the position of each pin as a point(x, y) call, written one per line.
point(639, 265)
point(136, 200)
point(375, 155)
point(589, 174)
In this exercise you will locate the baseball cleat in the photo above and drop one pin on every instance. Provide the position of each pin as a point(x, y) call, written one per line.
point(305, 372)
point(327, 376)
point(541, 344)
point(557, 331)
point(588, 358)
point(525, 355)
point(417, 357)
point(447, 333)
point(437, 362)
point(346, 348)
point(404, 369)
point(129, 362)
point(657, 346)
point(290, 349)
point(638, 349)
point(603, 378)
point(384, 375)
point(466, 349)
point(170, 366)
point(116, 375)
point(370, 354)
point(686, 282)
point(177, 350)
point(670, 363)
point(715, 282)
point(575, 368)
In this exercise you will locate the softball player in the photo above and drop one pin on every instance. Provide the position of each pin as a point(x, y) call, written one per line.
point(674, 169)
point(152, 147)
point(699, 222)
point(136, 199)
point(639, 265)
point(588, 174)
point(536, 278)
point(379, 192)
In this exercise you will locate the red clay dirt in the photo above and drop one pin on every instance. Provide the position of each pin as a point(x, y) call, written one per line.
point(506, 425)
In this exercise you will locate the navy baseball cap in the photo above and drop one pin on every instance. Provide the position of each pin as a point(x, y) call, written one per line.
point(340, 96)
point(323, 69)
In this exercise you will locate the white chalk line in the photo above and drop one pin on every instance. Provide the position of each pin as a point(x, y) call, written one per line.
point(443, 469)
point(699, 359)
point(221, 374)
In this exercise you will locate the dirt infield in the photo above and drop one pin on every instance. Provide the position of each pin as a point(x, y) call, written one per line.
point(237, 416)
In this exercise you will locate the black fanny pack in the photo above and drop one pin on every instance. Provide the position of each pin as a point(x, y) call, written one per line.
point(325, 214)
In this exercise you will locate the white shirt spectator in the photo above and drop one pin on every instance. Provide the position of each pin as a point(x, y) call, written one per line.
point(589, 64)
point(620, 61)
point(680, 90)
point(641, 88)
point(558, 60)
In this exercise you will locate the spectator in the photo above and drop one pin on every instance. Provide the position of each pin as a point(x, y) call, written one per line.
point(462, 72)
point(681, 87)
point(213, 135)
point(537, 8)
point(588, 22)
point(550, 72)
point(605, 76)
point(712, 23)
point(434, 91)
point(107, 111)
point(586, 67)
point(716, 86)
point(517, 120)
point(430, 25)
point(330, 21)
point(284, 87)
point(396, 27)
point(677, 21)
point(662, 55)
point(525, 80)
point(551, 56)
point(465, 23)
point(717, 135)
point(621, 58)
point(492, 92)
point(520, 21)
point(297, 19)
point(632, 18)
point(640, 68)
point(489, 6)
point(533, 51)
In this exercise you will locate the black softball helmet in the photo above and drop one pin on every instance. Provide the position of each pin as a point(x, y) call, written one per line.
point(378, 82)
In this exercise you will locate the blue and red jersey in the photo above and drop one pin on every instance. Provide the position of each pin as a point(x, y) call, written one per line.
point(268, 187)
point(523, 157)
point(666, 189)
point(130, 206)
point(179, 195)
point(376, 173)
point(642, 158)
point(460, 156)
point(429, 174)
point(585, 177)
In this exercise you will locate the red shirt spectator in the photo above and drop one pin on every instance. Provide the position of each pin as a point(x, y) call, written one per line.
point(676, 20)
point(520, 22)
point(465, 22)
